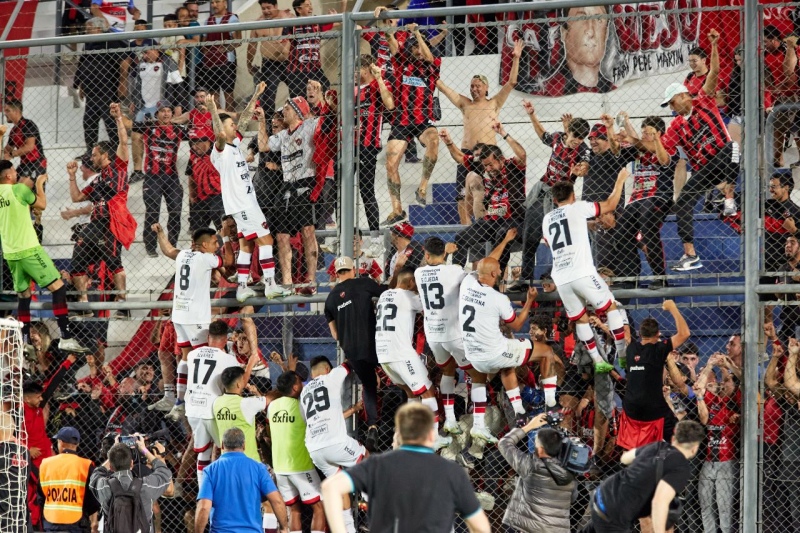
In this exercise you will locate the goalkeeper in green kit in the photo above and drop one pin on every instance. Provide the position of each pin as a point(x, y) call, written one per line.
point(25, 256)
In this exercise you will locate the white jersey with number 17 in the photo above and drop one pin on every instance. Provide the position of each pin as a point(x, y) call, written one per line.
point(396, 312)
point(238, 193)
point(203, 384)
point(321, 405)
point(191, 299)
point(481, 308)
point(566, 232)
point(439, 287)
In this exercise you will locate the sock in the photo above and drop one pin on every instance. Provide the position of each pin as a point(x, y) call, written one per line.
point(478, 396)
point(349, 525)
point(169, 392)
point(60, 311)
point(267, 263)
point(201, 464)
point(24, 316)
point(180, 382)
point(617, 327)
point(433, 405)
point(586, 336)
point(447, 390)
point(270, 523)
point(516, 400)
point(243, 268)
point(312, 531)
point(549, 386)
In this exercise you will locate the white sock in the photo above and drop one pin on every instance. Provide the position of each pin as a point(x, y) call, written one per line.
point(516, 400)
point(617, 327)
point(447, 388)
point(243, 268)
point(549, 386)
point(269, 522)
point(433, 405)
point(169, 392)
point(349, 525)
point(182, 372)
point(586, 336)
point(478, 396)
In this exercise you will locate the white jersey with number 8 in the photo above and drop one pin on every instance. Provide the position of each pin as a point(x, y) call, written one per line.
point(566, 232)
point(394, 331)
point(481, 308)
point(191, 299)
point(439, 287)
point(321, 405)
point(203, 385)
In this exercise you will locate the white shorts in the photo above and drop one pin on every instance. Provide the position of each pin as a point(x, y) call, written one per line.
point(194, 335)
point(251, 224)
point(304, 486)
point(204, 433)
point(410, 372)
point(333, 458)
point(588, 290)
point(517, 353)
point(444, 351)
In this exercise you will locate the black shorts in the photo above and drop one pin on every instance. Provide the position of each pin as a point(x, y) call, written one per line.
point(406, 133)
point(221, 78)
point(177, 94)
point(461, 178)
point(31, 170)
point(95, 245)
point(297, 81)
point(297, 211)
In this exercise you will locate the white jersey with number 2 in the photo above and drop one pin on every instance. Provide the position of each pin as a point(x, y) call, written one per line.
point(203, 384)
point(481, 308)
point(321, 404)
point(397, 310)
point(565, 230)
point(238, 193)
point(191, 299)
point(439, 287)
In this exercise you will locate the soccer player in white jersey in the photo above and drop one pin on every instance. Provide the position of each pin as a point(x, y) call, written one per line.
point(439, 285)
point(239, 199)
point(327, 441)
point(191, 305)
point(481, 308)
point(566, 232)
point(206, 364)
point(394, 333)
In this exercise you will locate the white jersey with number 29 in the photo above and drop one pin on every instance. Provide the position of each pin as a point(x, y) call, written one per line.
point(566, 232)
point(203, 384)
point(397, 309)
point(481, 308)
point(439, 287)
point(321, 405)
point(191, 300)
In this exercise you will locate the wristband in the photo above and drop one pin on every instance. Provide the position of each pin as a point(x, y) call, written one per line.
point(506, 136)
point(450, 144)
point(226, 239)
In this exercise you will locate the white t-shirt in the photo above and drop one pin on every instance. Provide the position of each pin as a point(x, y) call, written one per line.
point(565, 231)
point(297, 150)
point(238, 193)
point(394, 331)
point(439, 287)
point(203, 385)
point(151, 75)
point(191, 299)
point(481, 308)
point(321, 405)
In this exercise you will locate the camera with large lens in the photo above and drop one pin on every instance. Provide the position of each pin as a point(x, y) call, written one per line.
point(575, 455)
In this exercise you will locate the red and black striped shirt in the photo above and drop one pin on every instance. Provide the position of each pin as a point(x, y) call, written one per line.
point(379, 45)
point(701, 134)
point(112, 181)
point(205, 176)
point(305, 44)
point(416, 82)
point(161, 143)
point(370, 115)
point(200, 119)
point(563, 158)
point(23, 130)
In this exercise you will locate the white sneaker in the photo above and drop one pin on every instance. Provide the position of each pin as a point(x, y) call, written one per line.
point(375, 249)
point(164, 405)
point(244, 294)
point(71, 346)
point(483, 434)
point(275, 291)
point(729, 207)
point(330, 247)
point(177, 412)
point(441, 442)
point(451, 427)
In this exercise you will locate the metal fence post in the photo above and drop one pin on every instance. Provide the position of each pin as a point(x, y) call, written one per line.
point(346, 164)
point(752, 182)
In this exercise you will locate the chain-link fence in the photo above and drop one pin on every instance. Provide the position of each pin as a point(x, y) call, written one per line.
point(465, 122)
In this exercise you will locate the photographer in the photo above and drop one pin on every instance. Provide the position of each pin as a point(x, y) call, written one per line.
point(542, 497)
point(116, 475)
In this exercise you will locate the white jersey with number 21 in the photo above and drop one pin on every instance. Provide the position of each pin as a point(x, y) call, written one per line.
point(566, 232)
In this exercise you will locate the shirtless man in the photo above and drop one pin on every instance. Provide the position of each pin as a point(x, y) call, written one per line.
point(274, 53)
point(479, 112)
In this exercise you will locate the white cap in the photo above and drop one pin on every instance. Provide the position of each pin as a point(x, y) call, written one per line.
point(672, 91)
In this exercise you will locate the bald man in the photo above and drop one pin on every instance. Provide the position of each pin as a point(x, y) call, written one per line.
point(481, 308)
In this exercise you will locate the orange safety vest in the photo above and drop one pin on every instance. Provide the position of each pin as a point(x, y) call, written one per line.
point(63, 479)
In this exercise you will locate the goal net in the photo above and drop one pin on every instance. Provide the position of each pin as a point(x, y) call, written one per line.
point(13, 455)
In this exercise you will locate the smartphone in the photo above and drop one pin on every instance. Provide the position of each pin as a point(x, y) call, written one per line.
point(128, 440)
point(620, 120)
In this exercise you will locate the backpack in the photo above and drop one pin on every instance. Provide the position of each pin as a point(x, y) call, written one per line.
point(126, 511)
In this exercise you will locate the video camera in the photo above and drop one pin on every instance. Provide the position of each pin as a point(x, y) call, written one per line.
point(575, 456)
point(161, 436)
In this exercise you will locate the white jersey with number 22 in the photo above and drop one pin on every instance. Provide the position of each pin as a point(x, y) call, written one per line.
point(566, 232)
point(394, 332)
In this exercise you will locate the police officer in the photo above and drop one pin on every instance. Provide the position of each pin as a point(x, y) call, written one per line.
point(63, 480)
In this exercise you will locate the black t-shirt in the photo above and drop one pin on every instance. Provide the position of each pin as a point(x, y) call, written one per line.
point(414, 490)
point(627, 495)
point(644, 399)
point(350, 305)
point(603, 171)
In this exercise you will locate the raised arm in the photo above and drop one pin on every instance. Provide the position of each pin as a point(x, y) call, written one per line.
point(122, 132)
point(426, 53)
point(790, 379)
point(455, 151)
point(263, 134)
point(497, 252)
point(244, 118)
point(386, 94)
point(519, 151)
point(41, 198)
point(75, 193)
point(163, 242)
point(522, 316)
point(610, 204)
point(683, 332)
point(676, 377)
point(458, 99)
point(608, 120)
point(531, 111)
point(771, 379)
point(502, 95)
point(710, 86)
point(660, 151)
point(219, 134)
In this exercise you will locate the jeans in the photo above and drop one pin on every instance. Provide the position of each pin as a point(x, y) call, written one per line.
point(718, 484)
point(645, 216)
point(155, 187)
point(541, 203)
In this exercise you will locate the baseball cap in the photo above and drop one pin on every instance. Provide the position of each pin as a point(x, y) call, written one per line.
point(86, 161)
point(404, 229)
point(199, 90)
point(162, 104)
point(672, 91)
point(202, 133)
point(599, 130)
point(481, 77)
point(300, 105)
point(343, 263)
point(69, 435)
